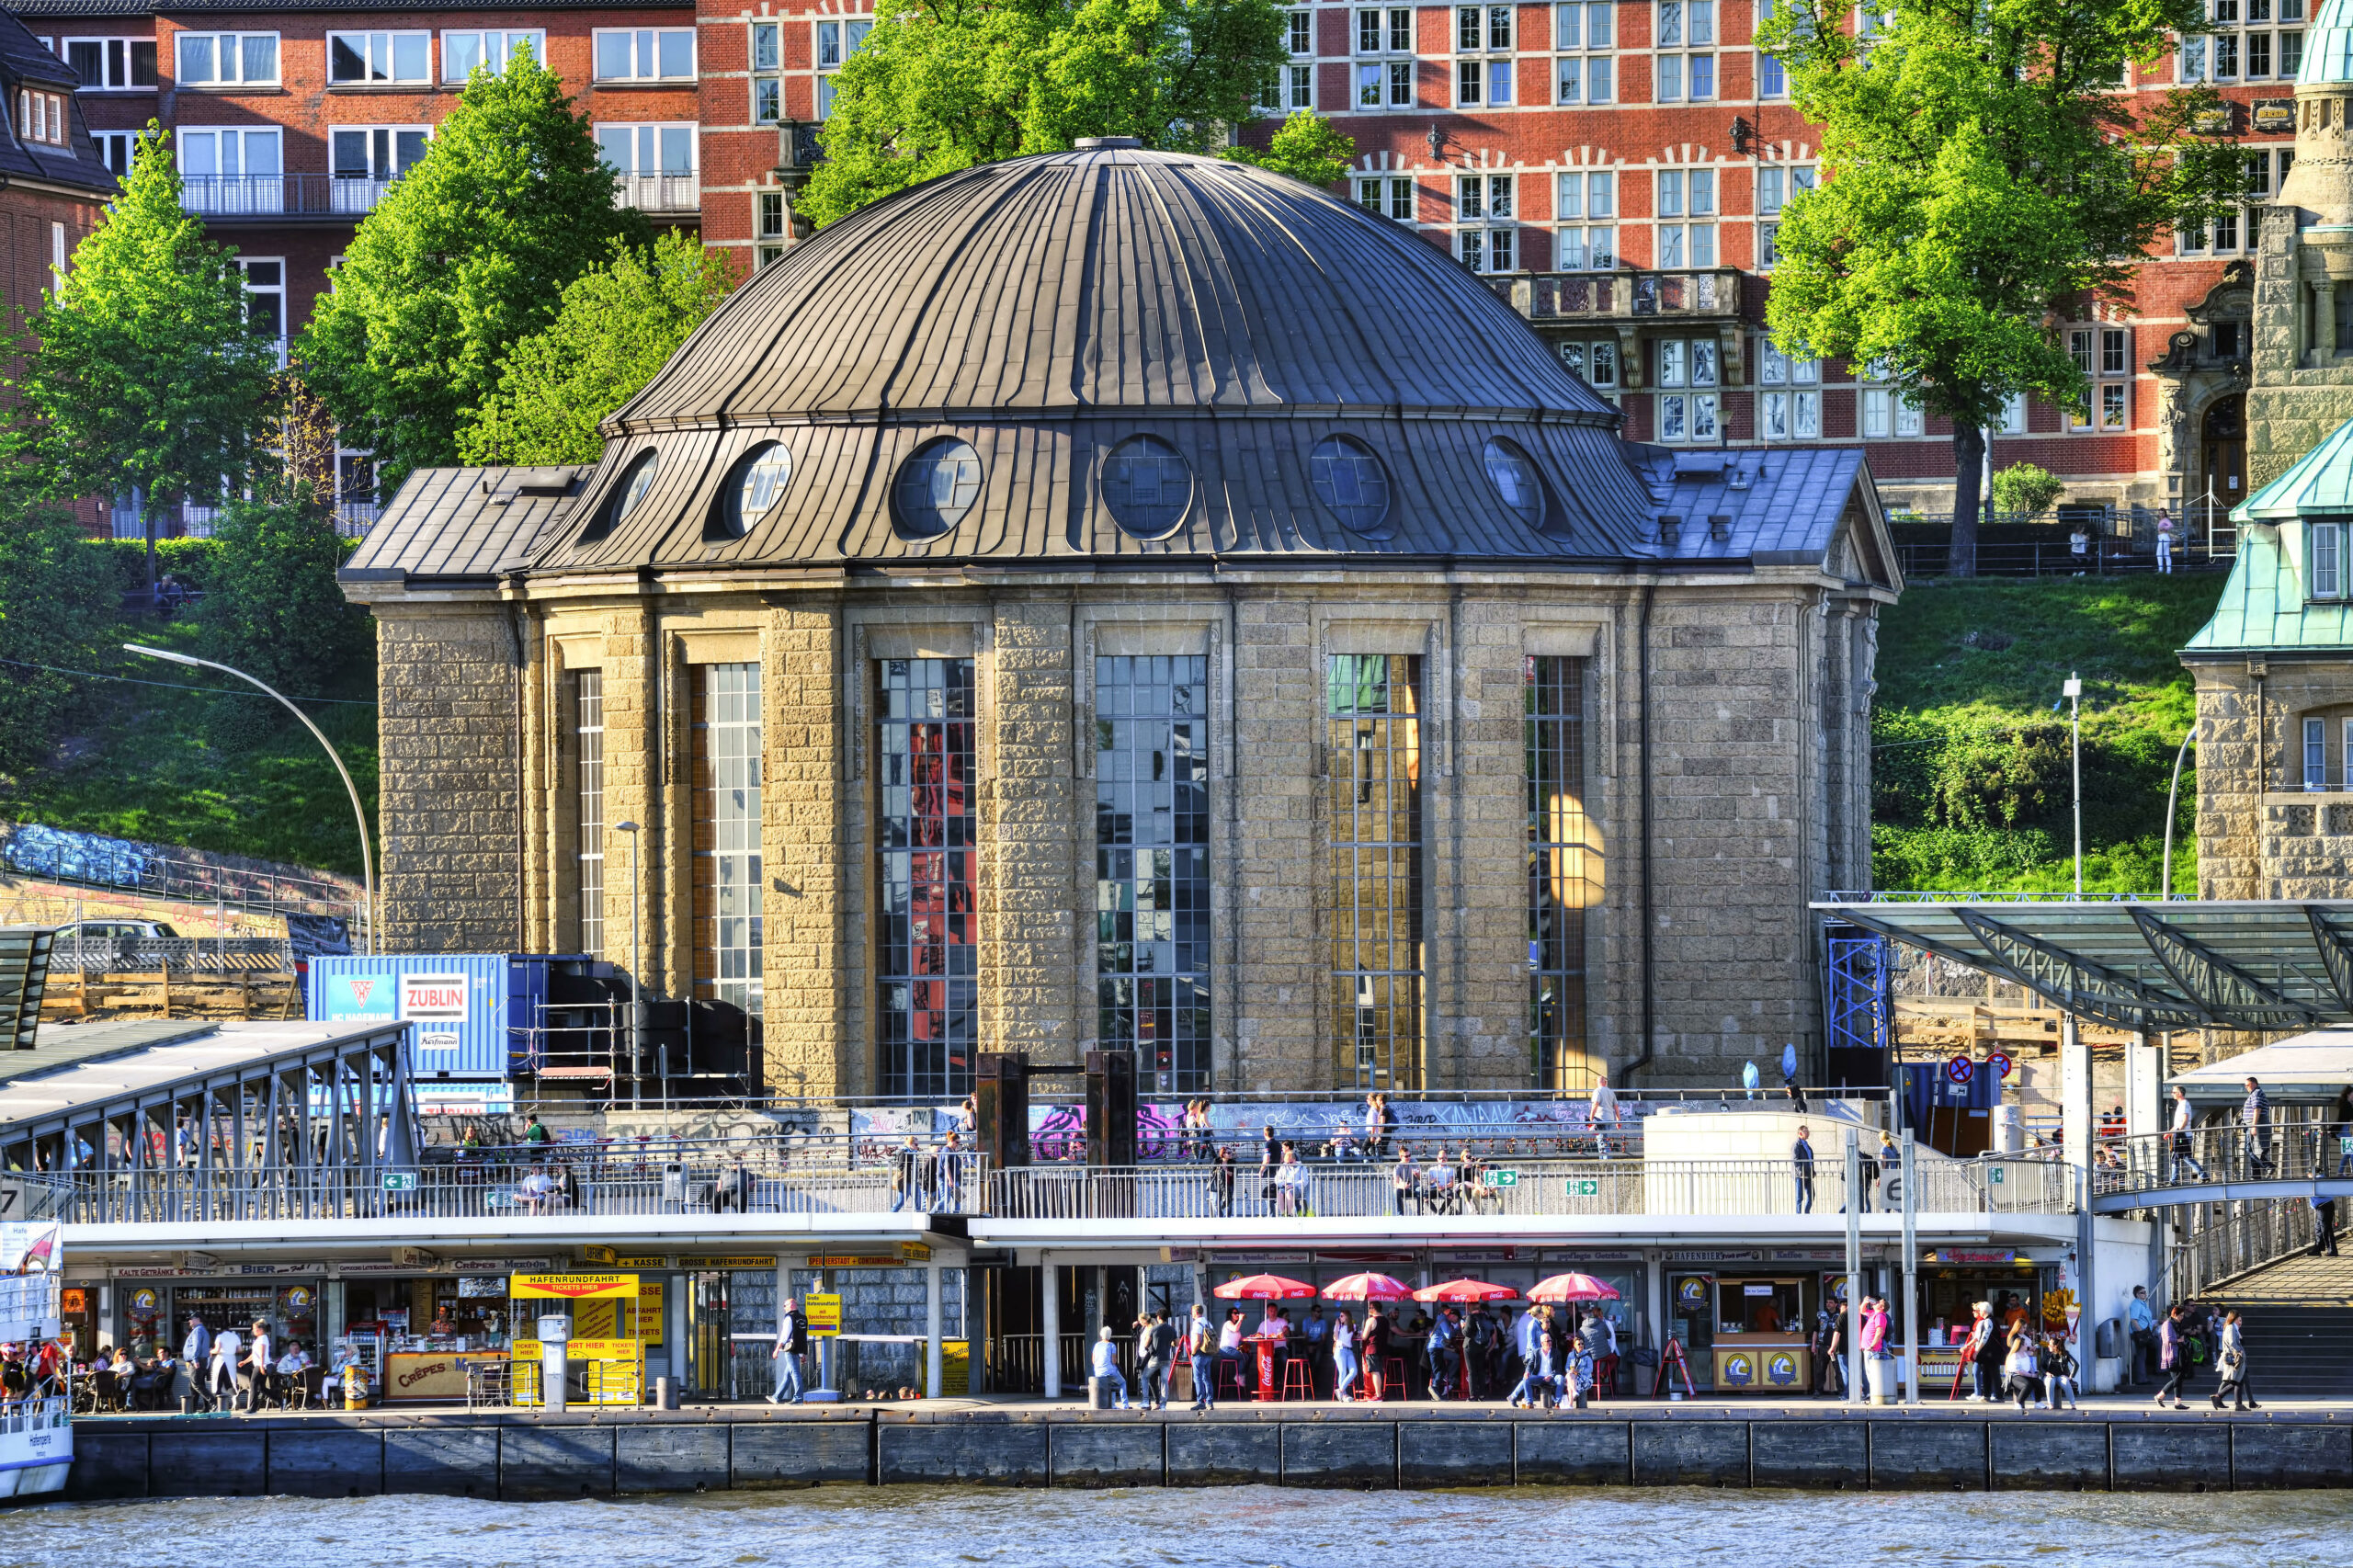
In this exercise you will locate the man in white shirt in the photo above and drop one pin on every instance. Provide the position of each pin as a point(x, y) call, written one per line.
point(1605, 1114)
point(1105, 1368)
point(2181, 1136)
point(293, 1387)
point(257, 1360)
point(223, 1380)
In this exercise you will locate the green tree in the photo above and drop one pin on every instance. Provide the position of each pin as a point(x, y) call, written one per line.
point(940, 85)
point(468, 254)
point(1304, 147)
point(56, 591)
point(1981, 180)
point(142, 373)
point(272, 607)
point(2024, 489)
point(618, 325)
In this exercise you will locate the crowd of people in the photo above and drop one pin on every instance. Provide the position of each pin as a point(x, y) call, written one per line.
point(221, 1372)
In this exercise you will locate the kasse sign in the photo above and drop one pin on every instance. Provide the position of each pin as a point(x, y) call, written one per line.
point(436, 1003)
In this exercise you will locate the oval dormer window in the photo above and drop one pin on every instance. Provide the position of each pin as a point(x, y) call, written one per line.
point(1147, 486)
point(935, 489)
point(632, 488)
point(1351, 483)
point(755, 485)
point(1514, 475)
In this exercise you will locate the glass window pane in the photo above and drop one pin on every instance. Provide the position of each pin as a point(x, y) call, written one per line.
point(678, 54)
point(260, 52)
point(409, 57)
point(612, 56)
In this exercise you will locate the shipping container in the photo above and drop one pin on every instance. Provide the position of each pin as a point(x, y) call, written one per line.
point(478, 1016)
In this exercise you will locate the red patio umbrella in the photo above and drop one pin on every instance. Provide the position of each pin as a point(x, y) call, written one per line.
point(1369, 1287)
point(1262, 1288)
point(1572, 1287)
point(1465, 1290)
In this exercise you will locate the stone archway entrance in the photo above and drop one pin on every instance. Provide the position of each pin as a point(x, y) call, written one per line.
point(2222, 452)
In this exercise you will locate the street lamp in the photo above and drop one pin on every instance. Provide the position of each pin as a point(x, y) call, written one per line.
point(636, 1065)
point(2073, 693)
point(359, 813)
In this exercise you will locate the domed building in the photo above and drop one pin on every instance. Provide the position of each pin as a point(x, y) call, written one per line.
point(1125, 600)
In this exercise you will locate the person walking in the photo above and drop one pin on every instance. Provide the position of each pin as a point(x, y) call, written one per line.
point(903, 1161)
point(1200, 1349)
point(2173, 1357)
point(2254, 1120)
point(1985, 1352)
point(1345, 1369)
point(1221, 1181)
point(2323, 1226)
point(2231, 1362)
point(1523, 1341)
point(1802, 1155)
point(791, 1338)
point(1155, 1341)
point(196, 1354)
point(1105, 1367)
point(223, 1384)
point(2181, 1134)
point(1605, 1113)
point(258, 1360)
point(2164, 544)
point(1866, 1177)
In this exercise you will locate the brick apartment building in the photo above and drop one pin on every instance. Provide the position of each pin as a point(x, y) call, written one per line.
point(1617, 168)
point(50, 180)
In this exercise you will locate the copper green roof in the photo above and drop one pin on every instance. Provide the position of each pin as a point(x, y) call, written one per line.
point(2328, 48)
point(2262, 608)
point(2321, 481)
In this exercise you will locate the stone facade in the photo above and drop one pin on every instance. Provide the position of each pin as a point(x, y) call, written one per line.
point(2260, 833)
point(2303, 379)
point(1752, 689)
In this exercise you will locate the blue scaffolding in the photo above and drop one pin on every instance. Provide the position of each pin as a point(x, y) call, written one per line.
point(1859, 1009)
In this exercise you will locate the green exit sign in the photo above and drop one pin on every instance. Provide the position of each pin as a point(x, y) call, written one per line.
point(1994, 1173)
point(1585, 1186)
point(1502, 1178)
point(400, 1181)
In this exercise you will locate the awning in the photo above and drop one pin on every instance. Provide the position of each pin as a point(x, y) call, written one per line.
point(2305, 1069)
point(2266, 964)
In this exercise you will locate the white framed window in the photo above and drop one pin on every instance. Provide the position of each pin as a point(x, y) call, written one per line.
point(111, 65)
point(1596, 362)
point(1298, 86)
point(1492, 201)
point(2325, 561)
point(1687, 362)
point(1300, 31)
point(1384, 30)
point(2190, 66)
point(41, 116)
point(2316, 754)
point(2014, 415)
point(1384, 84)
point(1481, 30)
point(226, 60)
point(1585, 34)
point(1584, 205)
point(114, 150)
point(264, 279)
point(365, 60)
point(1685, 207)
point(2115, 406)
point(1389, 196)
point(646, 54)
point(226, 170)
point(1778, 184)
point(57, 257)
point(1686, 416)
point(1772, 81)
point(2345, 777)
point(1686, 26)
point(767, 65)
point(1485, 250)
point(768, 225)
point(462, 54)
point(837, 41)
point(364, 160)
point(643, 155)
point(1790, 416)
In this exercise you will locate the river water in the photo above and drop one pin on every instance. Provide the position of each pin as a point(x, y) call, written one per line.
point(1223, 1528)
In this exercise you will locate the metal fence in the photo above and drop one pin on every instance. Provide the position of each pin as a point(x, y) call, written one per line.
point(147, 955)
point(2217, 1246)
point(2160, 1162)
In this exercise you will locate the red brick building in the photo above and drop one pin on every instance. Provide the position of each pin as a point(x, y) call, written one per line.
point(1618, 169)
point(50, 180)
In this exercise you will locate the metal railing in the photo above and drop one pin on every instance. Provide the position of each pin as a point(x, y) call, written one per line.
point(660, 193)
point(147, 955)
point(1533, 1189)
point(332, 913)
point(2159, 1163)
point(26, 1195)
point(282, 195)
point(559, 1187)
point(2263, 1233)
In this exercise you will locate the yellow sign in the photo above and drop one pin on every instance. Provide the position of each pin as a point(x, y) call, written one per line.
point(620, 1319)
point(823, 1313)
point(574, 1287)
point(955, 1368)
point(582, 1349)
point(915, 1252)
point(597, 1255)
point(856, 1262)
point(727, 1263)
point(645, 1260)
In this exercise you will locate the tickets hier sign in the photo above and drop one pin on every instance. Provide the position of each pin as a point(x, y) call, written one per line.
point(574, 1287)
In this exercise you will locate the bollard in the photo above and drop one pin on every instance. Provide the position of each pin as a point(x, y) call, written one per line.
point(666, 1394)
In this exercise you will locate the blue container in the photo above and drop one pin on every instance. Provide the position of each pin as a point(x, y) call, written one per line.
point(469, 1009)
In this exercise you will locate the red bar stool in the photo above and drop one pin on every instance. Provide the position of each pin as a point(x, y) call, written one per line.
point(1296, 1382)
point(1229, 1379)
point(1393, 1379)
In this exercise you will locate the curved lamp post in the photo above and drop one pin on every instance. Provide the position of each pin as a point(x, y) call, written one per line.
point(359, 813)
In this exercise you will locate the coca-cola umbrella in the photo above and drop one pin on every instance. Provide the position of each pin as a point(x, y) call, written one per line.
point(1572, 1287)
point(1465, 1290)
point(1262, 1288)
point(1369, 1287)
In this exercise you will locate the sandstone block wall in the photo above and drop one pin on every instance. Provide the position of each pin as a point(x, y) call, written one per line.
point(2260, 833)
point(449, 786)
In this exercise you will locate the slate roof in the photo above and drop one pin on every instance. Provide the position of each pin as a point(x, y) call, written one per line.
point(461, 523)
point(1047, 309)
point(77, 163)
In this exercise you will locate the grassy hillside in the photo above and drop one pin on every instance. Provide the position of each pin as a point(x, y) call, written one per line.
point(227, 772)
point(1970, 763)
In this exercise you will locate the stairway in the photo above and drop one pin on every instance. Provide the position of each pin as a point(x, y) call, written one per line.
point(2299, 1323)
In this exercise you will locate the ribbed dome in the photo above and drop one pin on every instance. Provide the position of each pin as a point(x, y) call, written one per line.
point(1108, 354)
point(1113, 278)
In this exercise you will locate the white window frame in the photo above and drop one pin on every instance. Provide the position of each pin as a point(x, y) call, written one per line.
point(2325, 561)
point(1596, 359)
point(643, 53)
point(1387, 196)
point(243, 193)
point(58, 257)
point(218, 83)
point(116, 149)
point(387, 43)
point(1584, 72)
point(2316, 754)
point(1299, 26)
point(767, 77)
point(507, 36)
point(1682, 55)
point(114, 53)
point(846, 34)
point(1385, 20)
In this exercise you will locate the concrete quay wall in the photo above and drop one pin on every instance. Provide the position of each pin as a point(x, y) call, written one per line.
point(528, 1457)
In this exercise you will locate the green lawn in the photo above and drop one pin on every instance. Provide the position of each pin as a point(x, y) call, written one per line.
point(234, 774)
point(1971, 764)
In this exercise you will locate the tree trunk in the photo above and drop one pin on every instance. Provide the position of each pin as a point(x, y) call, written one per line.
point(146, 532)
point(1969, 462)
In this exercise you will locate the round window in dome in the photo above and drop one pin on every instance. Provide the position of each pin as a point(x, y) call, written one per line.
point(1148, 486)
point(936, 488)
point(1514, 475)
point(635, 482)
point(755, 485)
point(1350, 482)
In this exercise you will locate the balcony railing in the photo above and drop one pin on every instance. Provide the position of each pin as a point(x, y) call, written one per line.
point(1626, 293)
point(660, 193)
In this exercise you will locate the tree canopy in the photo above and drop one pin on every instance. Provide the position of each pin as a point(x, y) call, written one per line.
point(142, 370)
point(466, 255)
point(940, 86)
point(618, 325)
point(1306, 147)
point(1982, 182)
point(57, 594)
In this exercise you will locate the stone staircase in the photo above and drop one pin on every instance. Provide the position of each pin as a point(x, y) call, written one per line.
point(2299, 1318)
